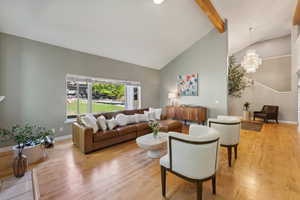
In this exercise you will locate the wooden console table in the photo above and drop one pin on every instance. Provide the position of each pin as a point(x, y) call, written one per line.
point(187, 113)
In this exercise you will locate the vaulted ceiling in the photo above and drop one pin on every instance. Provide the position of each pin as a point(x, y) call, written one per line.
point(269, 18)
point(138, 31)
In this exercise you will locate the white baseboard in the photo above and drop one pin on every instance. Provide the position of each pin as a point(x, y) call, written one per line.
point(64, 137)
point(281, 121)
point(60, 138)
point(287, 122)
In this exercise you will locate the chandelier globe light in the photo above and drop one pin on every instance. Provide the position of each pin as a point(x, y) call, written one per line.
point(251, 60)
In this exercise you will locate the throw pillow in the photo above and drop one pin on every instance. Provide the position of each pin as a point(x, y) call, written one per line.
point(122, 119)
point(157, 112)
point(131, 119)
point(141, 118)
point(150, 115)
point(102, 123)
point(111, 123)
point(91, 122)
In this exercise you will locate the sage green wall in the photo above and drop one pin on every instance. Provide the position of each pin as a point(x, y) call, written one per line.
point(208, 58)
point(32, 77)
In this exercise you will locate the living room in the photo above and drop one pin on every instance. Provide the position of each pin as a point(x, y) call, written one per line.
point(118, 100)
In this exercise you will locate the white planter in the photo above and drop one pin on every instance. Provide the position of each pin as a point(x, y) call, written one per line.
point(33, 153)
point(246, 115)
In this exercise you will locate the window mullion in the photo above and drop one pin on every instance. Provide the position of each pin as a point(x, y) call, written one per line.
point(77, 97)
point(90, 103)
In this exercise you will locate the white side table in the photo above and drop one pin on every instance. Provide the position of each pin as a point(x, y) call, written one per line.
point(154, 145)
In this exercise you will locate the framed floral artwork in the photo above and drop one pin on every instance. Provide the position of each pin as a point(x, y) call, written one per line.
point(187, 85)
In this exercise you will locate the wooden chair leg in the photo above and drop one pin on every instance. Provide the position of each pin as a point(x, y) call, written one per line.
point(214, 184)
point(235, 151)
point(163, 180)
point(199, 190)
point(229, 151)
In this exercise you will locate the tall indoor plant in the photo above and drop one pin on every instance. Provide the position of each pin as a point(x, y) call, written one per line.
point(236, 81)
point(24, 136)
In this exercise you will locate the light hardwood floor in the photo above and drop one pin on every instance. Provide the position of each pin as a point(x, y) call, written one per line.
point(268, 167)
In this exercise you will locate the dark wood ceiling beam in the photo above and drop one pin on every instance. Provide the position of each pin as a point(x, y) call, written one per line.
point(208, 8)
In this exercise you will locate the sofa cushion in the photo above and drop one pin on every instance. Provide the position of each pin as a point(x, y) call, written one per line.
point(102, 123)
point(122, 119)
point(142, 126)
point(111, 123)
point(104, 135)
point(127, 129)
point(141, 118)
point(131, 119)
point(90, 121)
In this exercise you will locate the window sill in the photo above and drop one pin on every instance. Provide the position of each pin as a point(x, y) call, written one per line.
point(70, 121)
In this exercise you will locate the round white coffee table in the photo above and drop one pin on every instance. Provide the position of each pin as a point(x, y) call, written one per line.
point(154, 145)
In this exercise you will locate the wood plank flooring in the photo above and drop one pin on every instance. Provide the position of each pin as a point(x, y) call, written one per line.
point(268, 167)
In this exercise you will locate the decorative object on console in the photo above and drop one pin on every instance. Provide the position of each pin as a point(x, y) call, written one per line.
point(30, 141)
point(154, 125)
point(171, 96)
point(187, 85)
point(246, 112)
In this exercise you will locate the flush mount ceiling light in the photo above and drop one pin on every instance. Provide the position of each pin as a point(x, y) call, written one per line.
point(158, 1)
point(251, 60)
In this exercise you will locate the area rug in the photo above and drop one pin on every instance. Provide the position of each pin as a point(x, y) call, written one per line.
point(252, 126)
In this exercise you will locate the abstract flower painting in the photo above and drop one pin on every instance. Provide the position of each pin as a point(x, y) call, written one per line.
point(187, 85)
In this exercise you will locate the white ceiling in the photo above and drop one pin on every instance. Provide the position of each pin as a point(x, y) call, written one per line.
point(138, 31)
point(270, 19)
point(134, 31)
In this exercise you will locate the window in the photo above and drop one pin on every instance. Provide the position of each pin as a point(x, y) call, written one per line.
point(96, 95)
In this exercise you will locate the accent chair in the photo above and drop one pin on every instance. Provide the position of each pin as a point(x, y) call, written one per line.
point(193, 157)
point(268, 112)
point(229, 128)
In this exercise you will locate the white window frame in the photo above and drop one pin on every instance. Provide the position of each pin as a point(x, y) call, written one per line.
point(90, 81)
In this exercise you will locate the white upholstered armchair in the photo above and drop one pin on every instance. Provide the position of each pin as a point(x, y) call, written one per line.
point(229, 128)
point(192, 157)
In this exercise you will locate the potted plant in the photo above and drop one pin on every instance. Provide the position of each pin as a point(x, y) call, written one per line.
point(246, 112)
point(30, 140)
point(154, 125)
